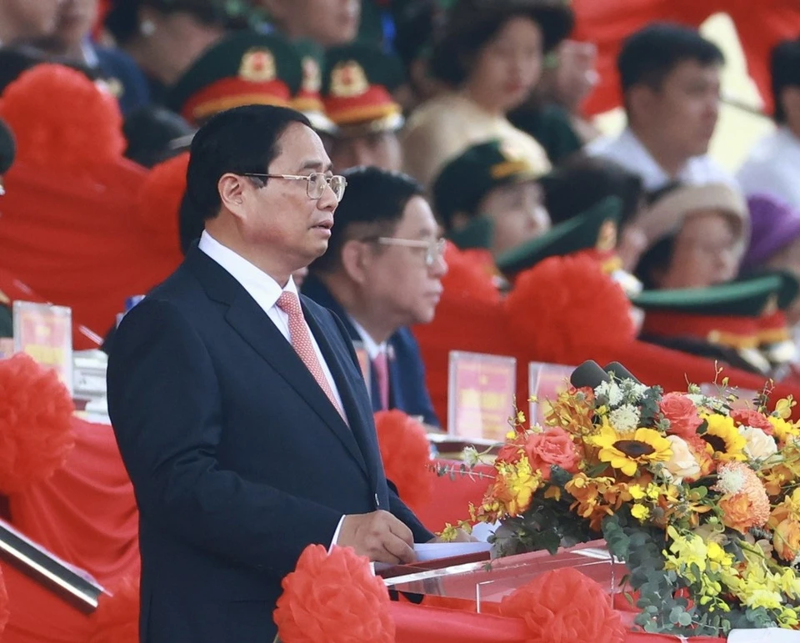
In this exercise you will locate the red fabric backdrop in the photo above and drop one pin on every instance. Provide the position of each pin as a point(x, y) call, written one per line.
point(760, 26)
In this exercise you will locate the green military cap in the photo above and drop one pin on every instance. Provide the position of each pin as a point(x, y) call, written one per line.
point(465, 180)
point(308, 99)
point(747, 297)
point(246, 68)
point(595, 230)
point(357, 89)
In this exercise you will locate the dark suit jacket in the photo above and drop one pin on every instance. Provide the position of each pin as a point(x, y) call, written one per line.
point(237, 457)
point(407, 389)
point(114, 63)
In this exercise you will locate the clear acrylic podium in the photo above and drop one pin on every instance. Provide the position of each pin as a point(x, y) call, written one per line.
point(476, 577)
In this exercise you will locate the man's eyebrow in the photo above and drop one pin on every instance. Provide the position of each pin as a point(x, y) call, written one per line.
point(315, 164)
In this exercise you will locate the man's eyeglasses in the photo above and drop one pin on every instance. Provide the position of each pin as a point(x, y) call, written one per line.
point(316, 182)
point(434, 249)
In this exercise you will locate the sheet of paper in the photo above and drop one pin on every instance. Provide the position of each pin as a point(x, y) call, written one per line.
point(767, 635)
point(433, 551)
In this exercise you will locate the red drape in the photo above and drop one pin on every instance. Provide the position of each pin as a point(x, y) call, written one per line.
point(79, 242)
point(760, 26)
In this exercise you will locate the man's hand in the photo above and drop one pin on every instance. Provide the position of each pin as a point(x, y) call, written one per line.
point(461, 536)
point(379, 536)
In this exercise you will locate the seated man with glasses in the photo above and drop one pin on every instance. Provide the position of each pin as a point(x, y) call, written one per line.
point(381, 273)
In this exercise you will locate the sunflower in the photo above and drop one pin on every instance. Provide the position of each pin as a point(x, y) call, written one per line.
point(722, 438)
point(626, 451)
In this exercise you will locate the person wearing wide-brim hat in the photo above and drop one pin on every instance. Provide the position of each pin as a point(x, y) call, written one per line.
point(357, 89)
point(695, 236)
point(245, 68)
point(490, 54)
point(488, 197)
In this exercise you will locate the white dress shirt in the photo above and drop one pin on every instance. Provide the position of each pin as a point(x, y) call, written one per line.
point(773, 167)
point(373, 349)
point(628, 151)
point(266, 291)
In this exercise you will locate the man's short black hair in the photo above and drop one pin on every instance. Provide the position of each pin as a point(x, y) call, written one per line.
point(372, 207)
point(240, 140)
point(650, 54)
point(785, 71)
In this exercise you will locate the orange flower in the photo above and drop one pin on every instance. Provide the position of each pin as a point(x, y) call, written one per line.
point(744, 502)
point(786, 540)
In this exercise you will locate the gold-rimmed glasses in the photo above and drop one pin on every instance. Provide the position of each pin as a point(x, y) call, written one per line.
point(316, 182)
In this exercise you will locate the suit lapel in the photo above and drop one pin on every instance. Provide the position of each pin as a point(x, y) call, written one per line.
point(359, 414)
point(254, 326)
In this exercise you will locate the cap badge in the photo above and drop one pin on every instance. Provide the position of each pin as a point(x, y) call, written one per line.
point(257, 66)
point(348, 79)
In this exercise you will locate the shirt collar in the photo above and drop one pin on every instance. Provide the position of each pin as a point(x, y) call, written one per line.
point(263, 288)
point(373, 349)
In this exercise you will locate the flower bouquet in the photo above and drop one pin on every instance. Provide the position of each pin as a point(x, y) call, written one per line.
point(698, 495)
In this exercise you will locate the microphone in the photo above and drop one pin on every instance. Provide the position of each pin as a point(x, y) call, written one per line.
point(620, 372)
point(588, 374)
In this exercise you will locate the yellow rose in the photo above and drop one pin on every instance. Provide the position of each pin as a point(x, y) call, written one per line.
point(760, 446)
point(682, 464)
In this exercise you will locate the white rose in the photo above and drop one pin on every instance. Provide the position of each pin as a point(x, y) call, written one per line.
point(682, 464)
point(759, 445)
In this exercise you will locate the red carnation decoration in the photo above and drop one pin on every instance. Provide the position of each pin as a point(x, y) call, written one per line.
point(406, 456)
point(469, 275)
point(117, 617)
point(4, 613)
point(78, 127)
point(159, 201)
point(333, 598)
point(564, 306)
point(565, 606)
point(35, 423)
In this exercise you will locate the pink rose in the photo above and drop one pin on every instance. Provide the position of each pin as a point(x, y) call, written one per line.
point(681, 413)
point(553, 446)
point(748, 417)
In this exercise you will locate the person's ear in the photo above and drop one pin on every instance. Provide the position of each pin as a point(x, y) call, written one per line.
point(640, 102)
point(232, 193)
point(459, 221)
point(356, 260)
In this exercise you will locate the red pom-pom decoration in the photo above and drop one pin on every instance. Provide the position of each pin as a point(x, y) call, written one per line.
point(62, 120)
point(117, 617)
point(35, 423)
point(333, 598)
point(565, 606)
point(159, 201)
point(564, 306)
point(469, 276)
point(406, 456)
point(4, 613)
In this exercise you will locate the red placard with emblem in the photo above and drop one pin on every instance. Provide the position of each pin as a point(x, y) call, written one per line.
point(44, 332)
point(545, 382)
point(480, 396)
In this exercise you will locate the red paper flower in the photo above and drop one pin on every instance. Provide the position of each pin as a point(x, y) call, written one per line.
point(79, 127)
point(469, 275)
point(333, 598)
point(4, 613)
point(406, 456)
point(159, 200)
point(35, 423)
point(553, 446)
point(117, 617)
point(681, 413)
point(565, 606)
point(565, 306)
point(748, 417)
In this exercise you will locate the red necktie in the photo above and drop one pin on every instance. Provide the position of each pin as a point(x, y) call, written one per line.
point(301, 342)
point(381, 366)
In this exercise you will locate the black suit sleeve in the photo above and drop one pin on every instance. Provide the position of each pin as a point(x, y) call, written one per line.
point(396, 506)
point(165, 406)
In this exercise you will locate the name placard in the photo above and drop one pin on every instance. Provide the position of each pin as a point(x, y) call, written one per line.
point(480, 395)
point(44, 332)
point(545, 382)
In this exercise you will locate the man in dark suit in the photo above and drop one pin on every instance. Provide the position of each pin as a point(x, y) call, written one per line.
point(382, 272)
point(239, 408)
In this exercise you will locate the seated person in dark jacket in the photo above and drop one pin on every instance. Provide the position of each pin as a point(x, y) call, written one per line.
point(381, 273)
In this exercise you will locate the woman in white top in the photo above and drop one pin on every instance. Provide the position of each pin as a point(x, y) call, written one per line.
point(491, 54)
